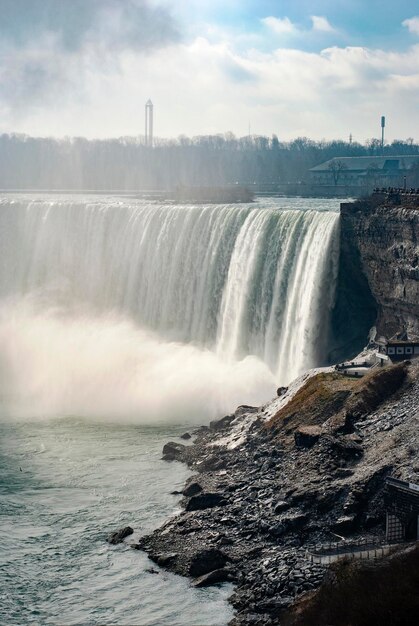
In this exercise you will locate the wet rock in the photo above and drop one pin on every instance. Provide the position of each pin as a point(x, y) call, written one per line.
point(213, 462)
point(222, 423)
point(245, 409)
point(206, 561)
point(165, 559)
point(192, 489)
point(212, 578)
point(306, 436)
point(119, 535)
point(186, 436)
point(205, 501)
point(173, 451)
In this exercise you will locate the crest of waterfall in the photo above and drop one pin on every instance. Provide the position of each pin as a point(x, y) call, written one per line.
point(236, 281)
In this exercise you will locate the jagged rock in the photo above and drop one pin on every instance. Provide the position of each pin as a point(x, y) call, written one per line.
point(173, 451)
point(306, 436)
point(213, 462)
point(281, 506)
point(222, 423)
point(344, 524)
point(192, 489)
point(245, 409)
point(205, 561)
point(165, 559)
point(288, 524)
point(346, 446)
point(272, 512)
point(212, 578)
point(186, 436)
point(205, 501)
point(119, 535)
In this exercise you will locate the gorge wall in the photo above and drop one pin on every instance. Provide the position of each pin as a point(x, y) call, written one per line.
point(378, 281)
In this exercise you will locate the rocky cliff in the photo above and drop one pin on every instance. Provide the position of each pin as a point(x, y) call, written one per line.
point(379, 271)
point(270, 482)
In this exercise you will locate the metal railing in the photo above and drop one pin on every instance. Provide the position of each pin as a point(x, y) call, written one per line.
point(331, 552)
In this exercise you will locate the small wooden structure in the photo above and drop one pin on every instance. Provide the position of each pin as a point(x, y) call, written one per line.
point(401, 501)
point(398, 350)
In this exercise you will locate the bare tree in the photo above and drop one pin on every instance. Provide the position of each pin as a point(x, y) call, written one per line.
point(336, 168)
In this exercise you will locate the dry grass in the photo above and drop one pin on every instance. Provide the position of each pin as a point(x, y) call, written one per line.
point(320, 397)
point(331, 394)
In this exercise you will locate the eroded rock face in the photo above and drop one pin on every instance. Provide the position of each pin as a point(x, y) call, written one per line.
point(278, 498)
point(379, 268)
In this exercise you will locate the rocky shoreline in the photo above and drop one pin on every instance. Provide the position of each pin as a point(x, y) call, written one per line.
point(271, 481)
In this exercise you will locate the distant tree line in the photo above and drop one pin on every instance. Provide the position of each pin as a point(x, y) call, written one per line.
point(127, 164)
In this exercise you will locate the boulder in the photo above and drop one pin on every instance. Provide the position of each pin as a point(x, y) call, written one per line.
point(206, 561)
point(173, 451)
point(119, 535)
point(186, 436)
point(281, 506)
point(165, 559)
point(344, 524)
point(213, 462)
point(222, 423)
point(306, 436)
point(245, 409)
point(192, 489)
point(347, 446)
point(212, 578)
point(205, 501)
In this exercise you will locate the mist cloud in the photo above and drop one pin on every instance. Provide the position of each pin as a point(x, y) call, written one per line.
point(47, 46)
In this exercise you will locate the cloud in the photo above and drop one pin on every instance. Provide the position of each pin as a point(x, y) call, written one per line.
point(412, 24)
point(48, 46)
point(121, 24)
point(322, 24)
point(284, 26)
point(202, 85)
point(280, 26)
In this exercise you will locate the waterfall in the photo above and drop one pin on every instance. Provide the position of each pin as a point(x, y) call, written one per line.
point(232, 283)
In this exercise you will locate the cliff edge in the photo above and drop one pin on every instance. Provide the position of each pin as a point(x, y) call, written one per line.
point(378, 281)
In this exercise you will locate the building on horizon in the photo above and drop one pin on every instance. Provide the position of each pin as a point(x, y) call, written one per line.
point(363, 171)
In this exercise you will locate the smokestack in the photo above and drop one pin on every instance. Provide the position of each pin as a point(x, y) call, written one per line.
point(149, 124)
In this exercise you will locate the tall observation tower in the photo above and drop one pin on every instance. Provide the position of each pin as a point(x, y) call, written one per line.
point(149, 123)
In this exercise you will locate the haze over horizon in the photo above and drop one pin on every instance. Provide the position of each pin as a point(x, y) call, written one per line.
point(319, 69)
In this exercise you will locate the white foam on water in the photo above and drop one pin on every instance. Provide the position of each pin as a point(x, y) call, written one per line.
point(120, 309)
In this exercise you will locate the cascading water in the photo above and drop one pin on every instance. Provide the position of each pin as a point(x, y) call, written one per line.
point(147, 311)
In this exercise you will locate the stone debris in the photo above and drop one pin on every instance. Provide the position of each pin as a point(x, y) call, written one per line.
point(251, 511)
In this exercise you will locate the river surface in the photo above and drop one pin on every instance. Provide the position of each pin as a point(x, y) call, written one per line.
point(122, 324)
point(64, 485)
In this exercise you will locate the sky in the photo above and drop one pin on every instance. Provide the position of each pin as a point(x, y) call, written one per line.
point(316, 68)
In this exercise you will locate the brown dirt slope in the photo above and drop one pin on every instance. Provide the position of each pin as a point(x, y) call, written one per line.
point(331, 395)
